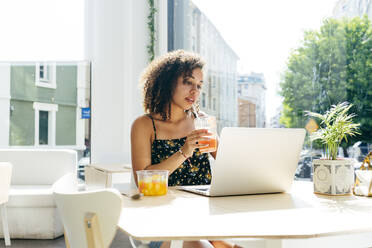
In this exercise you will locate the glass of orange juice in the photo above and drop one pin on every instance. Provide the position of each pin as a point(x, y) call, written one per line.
point(152, 182)
point(207, 122)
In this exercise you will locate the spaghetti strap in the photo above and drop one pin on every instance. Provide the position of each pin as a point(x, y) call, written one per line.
point(195, 170)
point(153, 124)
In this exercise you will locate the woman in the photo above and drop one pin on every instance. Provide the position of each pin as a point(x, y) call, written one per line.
point(165, 138)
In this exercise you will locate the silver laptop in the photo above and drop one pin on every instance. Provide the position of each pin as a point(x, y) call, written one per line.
point(253, 161)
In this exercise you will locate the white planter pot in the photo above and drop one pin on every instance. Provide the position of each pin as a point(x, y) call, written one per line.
point(333, 177)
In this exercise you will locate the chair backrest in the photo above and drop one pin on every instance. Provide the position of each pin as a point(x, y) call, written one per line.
point(39, 166)
point(74, 207)
point(5, 175)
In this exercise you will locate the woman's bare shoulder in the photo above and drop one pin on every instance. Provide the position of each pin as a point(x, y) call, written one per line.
point(142, 123)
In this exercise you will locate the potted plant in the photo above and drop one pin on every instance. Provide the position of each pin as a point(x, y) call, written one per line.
point(333, 175)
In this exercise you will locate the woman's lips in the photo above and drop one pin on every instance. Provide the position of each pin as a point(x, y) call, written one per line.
point(190, 100)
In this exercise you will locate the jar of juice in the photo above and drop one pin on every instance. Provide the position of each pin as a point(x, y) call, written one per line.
point(152, 182)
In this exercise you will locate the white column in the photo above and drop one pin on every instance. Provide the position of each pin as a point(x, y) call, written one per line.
point(36, 138)
point(52, 128)
point(4, 104)
point(161, 27)
point(82, 78)
point(115, 41)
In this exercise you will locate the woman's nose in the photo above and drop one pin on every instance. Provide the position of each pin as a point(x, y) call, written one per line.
point(194, 88)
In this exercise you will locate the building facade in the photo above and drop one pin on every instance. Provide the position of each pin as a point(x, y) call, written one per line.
point(42, 103)
point(191, 30)
point(352, 8)
point(251, 100)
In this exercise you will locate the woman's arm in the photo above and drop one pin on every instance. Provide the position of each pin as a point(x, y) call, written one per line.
point(141, 148)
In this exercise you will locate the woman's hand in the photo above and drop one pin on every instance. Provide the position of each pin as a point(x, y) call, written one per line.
point(193, 141)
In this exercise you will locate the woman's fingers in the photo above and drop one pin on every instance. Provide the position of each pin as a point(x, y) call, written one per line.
point(199, 133)
point(198, 139)
point(199, 142)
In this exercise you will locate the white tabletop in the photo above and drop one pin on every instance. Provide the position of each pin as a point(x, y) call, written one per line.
point(298, 214)
point(112, 168)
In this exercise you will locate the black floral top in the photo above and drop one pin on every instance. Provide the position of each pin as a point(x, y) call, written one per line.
point(198, 173)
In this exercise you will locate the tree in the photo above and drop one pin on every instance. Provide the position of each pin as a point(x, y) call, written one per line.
point(332, 65)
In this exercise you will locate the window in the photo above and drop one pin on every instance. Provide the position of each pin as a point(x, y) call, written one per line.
point(45, 75)
point(194, 19)
point(45, 124)
point(43, 127)
point(252, 115)
point(203, 100)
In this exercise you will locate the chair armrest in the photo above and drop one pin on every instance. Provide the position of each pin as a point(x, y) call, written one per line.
point(67, 183)
point(5, 175)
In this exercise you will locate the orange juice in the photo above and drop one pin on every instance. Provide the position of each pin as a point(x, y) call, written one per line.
point(153, 182)
point(212, 145)
point(152, 188)
point(207, 122)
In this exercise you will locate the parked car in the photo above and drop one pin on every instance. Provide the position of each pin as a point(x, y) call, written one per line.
point(81, 167)
point(304, 169)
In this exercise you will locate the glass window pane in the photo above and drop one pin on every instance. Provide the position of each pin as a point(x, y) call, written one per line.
point(275, 77)
point(41, 72)
point(203, 100)
point(43, 127)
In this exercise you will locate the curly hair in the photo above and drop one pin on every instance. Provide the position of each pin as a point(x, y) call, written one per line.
point(159, 80)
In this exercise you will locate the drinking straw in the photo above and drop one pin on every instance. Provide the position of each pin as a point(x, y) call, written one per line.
point(196, 114)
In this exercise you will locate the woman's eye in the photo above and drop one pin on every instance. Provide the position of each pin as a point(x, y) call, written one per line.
point(199, 87)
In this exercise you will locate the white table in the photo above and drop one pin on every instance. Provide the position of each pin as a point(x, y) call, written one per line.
point(101, 175)
point(282, 219)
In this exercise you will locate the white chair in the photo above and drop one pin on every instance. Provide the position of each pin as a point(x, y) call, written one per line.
point(89, 218)
point(5, 175)
point(32, 212)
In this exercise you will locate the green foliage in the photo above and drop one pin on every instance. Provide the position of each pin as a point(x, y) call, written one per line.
point(336, 125)
point(151, 27)
point(332, 65)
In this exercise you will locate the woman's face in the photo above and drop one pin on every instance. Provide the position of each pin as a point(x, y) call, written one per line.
point(188, 89)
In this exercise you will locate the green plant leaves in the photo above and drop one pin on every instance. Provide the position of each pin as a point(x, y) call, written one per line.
point(335, 126)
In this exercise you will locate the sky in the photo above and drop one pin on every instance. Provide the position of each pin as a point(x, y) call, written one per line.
point(261, 32)
point(30, 33)
point(264, 32)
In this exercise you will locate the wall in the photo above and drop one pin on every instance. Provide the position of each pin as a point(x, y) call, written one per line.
point(115, 40)
point(23, 85)
point(24, 93)
point(4, 104)
point(66, 125)
point(22, 124)
point(247, 113)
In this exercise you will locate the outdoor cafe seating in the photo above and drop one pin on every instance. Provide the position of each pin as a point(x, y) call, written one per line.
point(5, 174)
point(32, 212)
